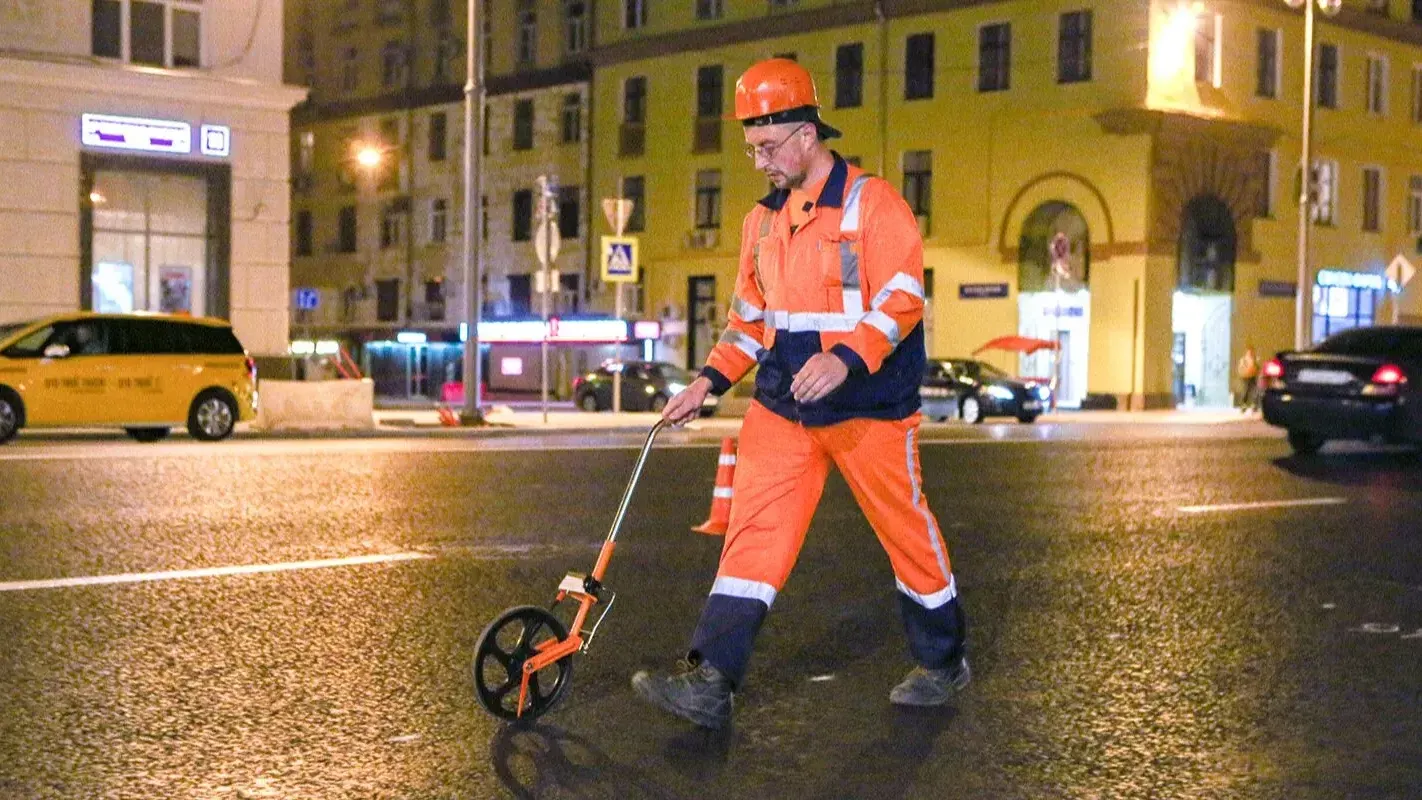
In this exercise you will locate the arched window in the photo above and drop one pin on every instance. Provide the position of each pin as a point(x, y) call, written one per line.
point(1034, 260)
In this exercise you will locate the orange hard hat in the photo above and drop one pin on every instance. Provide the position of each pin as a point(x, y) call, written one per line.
point(779, 90)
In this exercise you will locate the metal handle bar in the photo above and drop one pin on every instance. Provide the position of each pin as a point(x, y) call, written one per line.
point(632, 483)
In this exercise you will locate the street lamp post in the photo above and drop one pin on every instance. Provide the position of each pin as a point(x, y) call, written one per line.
point(473, 219)
point(1303, 291)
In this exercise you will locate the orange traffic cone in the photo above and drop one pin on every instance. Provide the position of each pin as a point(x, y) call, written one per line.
point(720, 517)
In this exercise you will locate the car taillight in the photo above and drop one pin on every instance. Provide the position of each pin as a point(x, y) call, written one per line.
point(251, 368)
point(1389, 375)
point(1274, 369)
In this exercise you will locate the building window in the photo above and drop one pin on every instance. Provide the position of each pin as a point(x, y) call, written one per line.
point(484, 129)
point(708, 9)
point(387, 299)
point(439, 136)
point(570, 211)
point(160, 33)
point(1325, 192)
point(708, 199)
point(1414, 205)
point(346, 230)
point(849, 75)
point(995, 57)
point(1264, 168)
point(1417, 10)
point(446, 50)
point(350, 70)
point(634, 14)
point(1207, 49)
point(522, 215)
point(1376, 85)
point(575, 26)
point(527, 51)
point(918, 66)
point(634, 101)
point(1328, 76)
point(434, 300)
point(486, 36)
point(1074, 47)
point(304, 233)
point(710, 81)
point(572, 118)
point(1417, 94)
point(523, 125)
point(1339, 308)
point(392, 227)
point(305, 159)
point(1372, 199)
point(634, 189)
point(439, 220)
point(1267, 81)
point(392, 65)
point(918, 185)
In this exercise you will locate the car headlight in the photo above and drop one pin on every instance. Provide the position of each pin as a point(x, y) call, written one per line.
point(999, 392)
point(1044, 392)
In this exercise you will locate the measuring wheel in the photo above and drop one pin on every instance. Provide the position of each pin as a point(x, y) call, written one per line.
point(510, 640)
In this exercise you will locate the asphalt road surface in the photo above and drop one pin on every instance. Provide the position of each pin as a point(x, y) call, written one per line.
point(1154, 612)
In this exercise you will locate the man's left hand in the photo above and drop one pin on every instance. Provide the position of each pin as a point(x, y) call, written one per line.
point(822, 374)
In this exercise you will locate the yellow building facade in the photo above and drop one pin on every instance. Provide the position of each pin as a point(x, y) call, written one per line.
point(1161, 141)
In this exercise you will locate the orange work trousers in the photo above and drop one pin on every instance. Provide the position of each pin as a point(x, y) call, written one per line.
point(781, 467)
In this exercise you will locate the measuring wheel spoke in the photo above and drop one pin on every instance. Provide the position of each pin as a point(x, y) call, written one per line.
point(532, 622)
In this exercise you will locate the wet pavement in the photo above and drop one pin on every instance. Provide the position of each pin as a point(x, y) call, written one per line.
point(1172, 612)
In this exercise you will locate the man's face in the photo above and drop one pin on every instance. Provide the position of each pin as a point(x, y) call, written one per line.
point(780, 151)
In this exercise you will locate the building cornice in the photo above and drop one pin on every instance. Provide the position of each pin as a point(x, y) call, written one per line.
point(95, 76)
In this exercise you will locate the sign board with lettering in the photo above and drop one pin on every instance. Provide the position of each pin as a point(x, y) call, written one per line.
point(981, 291)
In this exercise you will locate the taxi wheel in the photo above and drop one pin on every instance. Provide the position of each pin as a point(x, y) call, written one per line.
point(971, 410)
point(659, 402)
point(9, 416)
point(213, 416)
point(147, 434)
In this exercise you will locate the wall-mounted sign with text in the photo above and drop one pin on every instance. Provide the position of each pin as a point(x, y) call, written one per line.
point(981, 291)
point(153, 135)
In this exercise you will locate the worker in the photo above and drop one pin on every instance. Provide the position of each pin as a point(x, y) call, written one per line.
point(829, 304)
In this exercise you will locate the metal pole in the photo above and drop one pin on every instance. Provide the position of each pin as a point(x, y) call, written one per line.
point(546, 236)
point(620, 226)
point(473, 219)
point(1302, 295)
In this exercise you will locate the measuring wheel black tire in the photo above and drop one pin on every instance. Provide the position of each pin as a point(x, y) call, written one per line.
point(503, 648)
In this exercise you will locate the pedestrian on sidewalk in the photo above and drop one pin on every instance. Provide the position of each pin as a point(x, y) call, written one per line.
point(829, 303)
point(1247, 370)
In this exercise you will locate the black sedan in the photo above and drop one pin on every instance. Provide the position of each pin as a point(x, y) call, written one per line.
point(646, 386)
point(1360, 384)
point(975, 390)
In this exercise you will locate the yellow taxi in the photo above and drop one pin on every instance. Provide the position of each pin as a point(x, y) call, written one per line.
point(145, 373)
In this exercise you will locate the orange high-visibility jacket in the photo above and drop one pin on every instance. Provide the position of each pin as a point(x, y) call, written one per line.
point(847, 281)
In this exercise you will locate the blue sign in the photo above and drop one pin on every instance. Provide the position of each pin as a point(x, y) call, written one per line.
point(307, 299)
point(1278, 288)
point(981, 291)
point(1355, 280)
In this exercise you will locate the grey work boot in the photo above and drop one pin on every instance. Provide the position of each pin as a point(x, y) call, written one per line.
point(931, 687)
point(700, 694)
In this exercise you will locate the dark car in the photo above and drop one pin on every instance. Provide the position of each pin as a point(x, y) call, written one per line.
point(646, 386)
point(1359, 384)
point(975, 390)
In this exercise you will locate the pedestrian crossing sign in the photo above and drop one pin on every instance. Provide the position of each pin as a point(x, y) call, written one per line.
point(619, 259)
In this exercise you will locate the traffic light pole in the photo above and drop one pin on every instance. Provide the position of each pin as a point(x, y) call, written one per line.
point(473, 220)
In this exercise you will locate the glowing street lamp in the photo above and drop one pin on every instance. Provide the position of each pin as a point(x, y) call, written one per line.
point(369, 157)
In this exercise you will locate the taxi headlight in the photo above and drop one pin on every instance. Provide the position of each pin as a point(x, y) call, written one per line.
point(999, 392)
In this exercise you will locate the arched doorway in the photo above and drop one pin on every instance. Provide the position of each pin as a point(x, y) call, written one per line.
point(1203, 304)
point(1055, 304)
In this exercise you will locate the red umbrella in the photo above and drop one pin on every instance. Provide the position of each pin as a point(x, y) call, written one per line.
point(1018, 344)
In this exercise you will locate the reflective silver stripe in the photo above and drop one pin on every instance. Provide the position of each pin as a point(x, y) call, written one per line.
point(849, 221)
point(935, 539)
point(726, 461)
point(800, 321)
point(740, 587)
point(884, 323)
point(746, 311)
point(848, 265)
point(725, 494)
point(901, 282)
point(930, 601)
point(739, 340)
point(853, 300)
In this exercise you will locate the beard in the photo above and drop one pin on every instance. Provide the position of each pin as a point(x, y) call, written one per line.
point(783, 180)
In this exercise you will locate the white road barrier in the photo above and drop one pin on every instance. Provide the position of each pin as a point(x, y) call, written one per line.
point(315, 405)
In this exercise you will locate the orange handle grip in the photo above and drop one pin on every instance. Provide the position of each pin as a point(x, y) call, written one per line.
point(602, 559)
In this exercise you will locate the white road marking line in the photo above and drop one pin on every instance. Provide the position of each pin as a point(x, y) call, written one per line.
point(208, 572)
point(1307, 501)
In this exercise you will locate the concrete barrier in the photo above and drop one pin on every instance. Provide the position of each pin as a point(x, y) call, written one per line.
point(315, 405)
